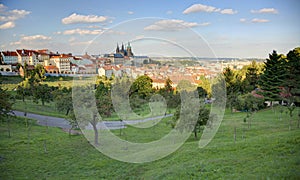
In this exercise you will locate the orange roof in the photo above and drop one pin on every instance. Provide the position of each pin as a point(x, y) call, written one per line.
point(51, 67)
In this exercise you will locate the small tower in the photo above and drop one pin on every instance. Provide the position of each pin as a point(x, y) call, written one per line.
point(117, 49)
point(129, 51)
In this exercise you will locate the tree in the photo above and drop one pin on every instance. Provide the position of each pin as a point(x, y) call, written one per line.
point(206, 85)
point(203, 118)
point(142, 86)
point(233, 86)
point(252, 76)
point(42, 92)
point(292, 80)
point(103, 99)
point(24, 89)
point(63, 100)
point(272, 78)
point(6, 103)
point(85, 111)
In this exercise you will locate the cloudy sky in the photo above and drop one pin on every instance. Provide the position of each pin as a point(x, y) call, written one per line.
point(206, 28)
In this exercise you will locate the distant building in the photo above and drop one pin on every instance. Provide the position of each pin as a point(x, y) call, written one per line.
point(62, 62)
point(9, 57)
point(125, 52)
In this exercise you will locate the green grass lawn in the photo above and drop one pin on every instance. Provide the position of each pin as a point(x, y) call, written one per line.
point(266, 150)
point(29, 106)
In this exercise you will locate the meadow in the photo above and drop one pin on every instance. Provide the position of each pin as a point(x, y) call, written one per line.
point(265, 150)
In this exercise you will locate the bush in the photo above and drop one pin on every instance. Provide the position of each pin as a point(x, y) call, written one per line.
point(248, 102)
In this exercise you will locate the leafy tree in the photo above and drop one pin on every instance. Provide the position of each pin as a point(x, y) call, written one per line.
point(249, 103)
point(42, 92)
point(203, 118)
point(272, 78)
point(24, 89)
point(6, 103)
point(103, 99)
point(142, 86)
point(85, 111)
point(63, 100)
point(206, 85)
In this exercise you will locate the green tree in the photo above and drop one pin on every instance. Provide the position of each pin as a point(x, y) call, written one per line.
point(103, 99)
point(206, 85)
point(273, 76)
point(142, 86)
point(85, 111)
point(42, 92)
point(24, 89)
point(6, 102)
point(63, 100)
point(292, 80)
point(233, 86)
point(202, 120)
point(252, 76)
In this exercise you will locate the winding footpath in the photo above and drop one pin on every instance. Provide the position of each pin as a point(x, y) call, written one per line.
point(63, 123)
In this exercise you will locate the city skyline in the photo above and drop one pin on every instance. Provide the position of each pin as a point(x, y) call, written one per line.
point(223, 29)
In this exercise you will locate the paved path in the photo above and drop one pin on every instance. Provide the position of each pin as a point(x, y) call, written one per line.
point(63, 123)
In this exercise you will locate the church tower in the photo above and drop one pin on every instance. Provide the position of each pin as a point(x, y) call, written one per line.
point(129, 51)
point(117, 49)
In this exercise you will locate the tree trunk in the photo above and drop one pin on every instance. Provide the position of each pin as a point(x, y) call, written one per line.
point(195, 134)
point(234, 134)
point(96, 134)
point(94, 124)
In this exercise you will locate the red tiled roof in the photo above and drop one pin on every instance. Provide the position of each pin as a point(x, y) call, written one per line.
point(9, 53)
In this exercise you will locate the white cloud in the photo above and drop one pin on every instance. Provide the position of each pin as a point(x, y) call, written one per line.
point(130, 12)
point(228, 11)
point(82, 32)
point(93, 27)
point(243, 20)
point(7, 25)
point(205, 24)
point(209, 9)
point(256, 20)
point(265, 10)
point(35, 37)
point(32, 40)
point(170, 25)
point(77, 18)
point(200, 8)
point(9, 17)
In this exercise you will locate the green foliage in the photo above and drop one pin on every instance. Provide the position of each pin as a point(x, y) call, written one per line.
point(42, 92)
point(273, 76)
point(142, 86)
point(103, 99)
point(251, 77)
point(182, 113)
point(292, 80)
point(249, 103)
point(63, 100)
point(206, 85)
point(6, 102)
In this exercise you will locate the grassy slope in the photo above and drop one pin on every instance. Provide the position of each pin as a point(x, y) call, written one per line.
point(268, 150)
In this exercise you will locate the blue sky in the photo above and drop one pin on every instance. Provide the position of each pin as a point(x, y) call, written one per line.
point(206, 28)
